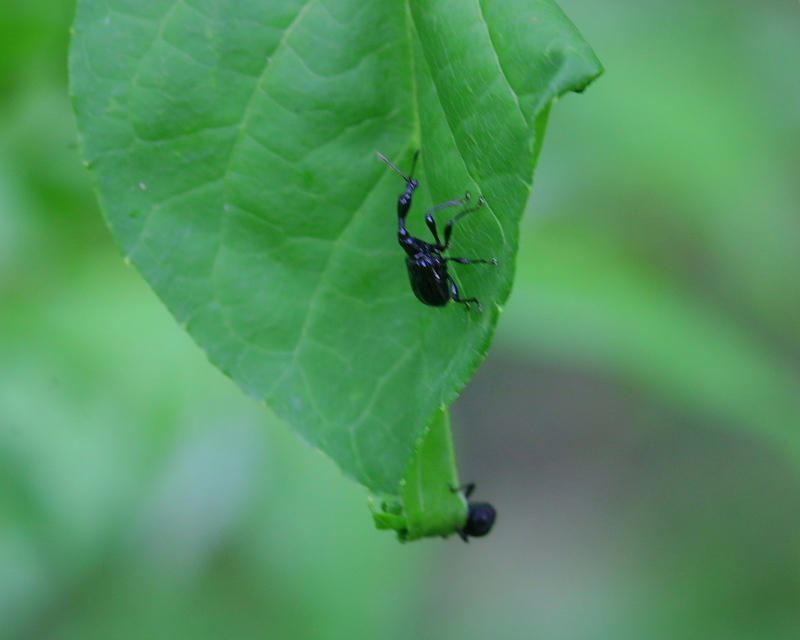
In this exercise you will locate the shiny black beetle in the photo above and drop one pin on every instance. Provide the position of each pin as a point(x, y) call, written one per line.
point(427, 268)
point(480, 517)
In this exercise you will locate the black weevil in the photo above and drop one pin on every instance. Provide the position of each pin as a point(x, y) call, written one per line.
point(427, 267)
point(480, 517)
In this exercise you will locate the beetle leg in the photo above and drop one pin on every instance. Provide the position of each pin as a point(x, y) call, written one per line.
point(432, 223)
point(448, 230)
point(454, 295)
point(472, 261)
point(467, 489)
point(432, 226)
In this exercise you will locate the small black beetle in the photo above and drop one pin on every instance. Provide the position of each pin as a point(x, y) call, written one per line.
point(427, 268)
point(480, 517)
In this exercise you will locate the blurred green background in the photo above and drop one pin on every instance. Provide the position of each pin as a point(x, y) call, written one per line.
point(637, 423)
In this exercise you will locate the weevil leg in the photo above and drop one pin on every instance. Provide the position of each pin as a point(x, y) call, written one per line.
point(472, 261)
point(467, 489)
point(432, 223)
point(454, 295)
point(448, 230)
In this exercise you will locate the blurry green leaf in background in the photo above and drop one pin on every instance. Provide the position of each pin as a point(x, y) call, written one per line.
point(635, 426)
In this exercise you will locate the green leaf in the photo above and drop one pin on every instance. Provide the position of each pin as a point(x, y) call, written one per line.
point(234, 148)
point(431, 502)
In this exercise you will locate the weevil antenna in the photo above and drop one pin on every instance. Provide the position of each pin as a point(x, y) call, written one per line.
point(408, 178)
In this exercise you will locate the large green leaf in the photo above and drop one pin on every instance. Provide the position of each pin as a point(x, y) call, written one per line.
point(234, 146)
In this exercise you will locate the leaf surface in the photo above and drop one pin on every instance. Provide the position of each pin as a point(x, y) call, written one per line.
point(234, 148)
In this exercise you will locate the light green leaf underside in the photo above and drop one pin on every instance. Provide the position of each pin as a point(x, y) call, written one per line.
point(234, 144)
point(431, 502)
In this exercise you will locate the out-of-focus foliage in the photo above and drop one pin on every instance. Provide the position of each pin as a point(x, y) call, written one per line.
point(683, 270)
point(638, 435)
